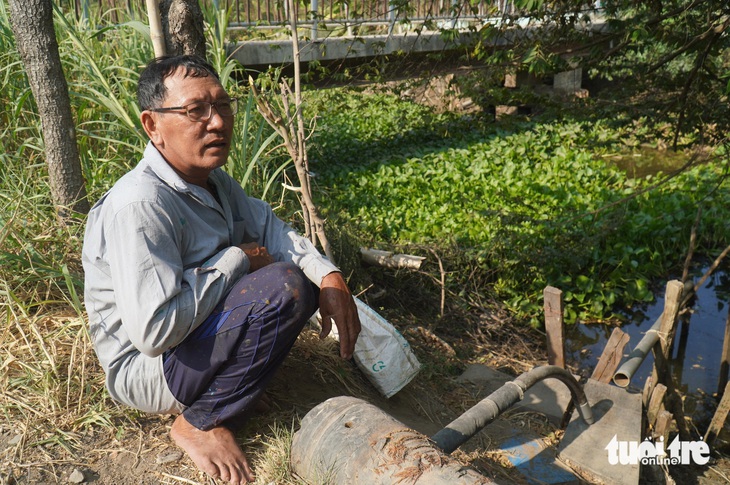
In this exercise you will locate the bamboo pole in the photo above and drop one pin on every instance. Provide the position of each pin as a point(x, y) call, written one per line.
point(158, 37)
point(387, 259)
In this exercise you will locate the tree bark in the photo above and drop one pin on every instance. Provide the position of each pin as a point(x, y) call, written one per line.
point(182, 22)
point(32, 24)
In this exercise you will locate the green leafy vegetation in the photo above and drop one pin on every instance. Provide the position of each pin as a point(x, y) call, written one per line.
point(531, 203)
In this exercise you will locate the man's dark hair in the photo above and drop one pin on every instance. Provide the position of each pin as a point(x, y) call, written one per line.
point(151, 88)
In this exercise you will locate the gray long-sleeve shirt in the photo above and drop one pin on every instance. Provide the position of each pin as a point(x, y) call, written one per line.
point(159, 253)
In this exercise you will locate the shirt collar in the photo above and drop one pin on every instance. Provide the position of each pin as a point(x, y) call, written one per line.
point(163, 170)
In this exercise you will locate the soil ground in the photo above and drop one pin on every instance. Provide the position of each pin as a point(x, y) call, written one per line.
point(139, 450)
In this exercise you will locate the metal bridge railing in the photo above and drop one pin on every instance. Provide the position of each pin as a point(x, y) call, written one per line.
point(273, 13)
point(354, 15)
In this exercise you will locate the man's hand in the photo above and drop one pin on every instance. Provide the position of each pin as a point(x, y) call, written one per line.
point(258, 256)
point(336, 303)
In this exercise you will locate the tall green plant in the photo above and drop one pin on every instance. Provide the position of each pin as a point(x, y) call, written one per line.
point(33, 247)
point(102, 67)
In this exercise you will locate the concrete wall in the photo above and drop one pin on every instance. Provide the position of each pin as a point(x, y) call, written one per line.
point(265, 53)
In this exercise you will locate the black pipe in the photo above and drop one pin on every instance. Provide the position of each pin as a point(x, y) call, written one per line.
point(484, 412)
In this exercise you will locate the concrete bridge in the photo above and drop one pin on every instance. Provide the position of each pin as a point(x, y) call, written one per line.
point(279, 52)
point(332, 30)
point(350, 29)
point(341, 29)
point(260, 54)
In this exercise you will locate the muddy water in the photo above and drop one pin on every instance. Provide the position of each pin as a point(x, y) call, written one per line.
point(644, 161)
point(697, 347)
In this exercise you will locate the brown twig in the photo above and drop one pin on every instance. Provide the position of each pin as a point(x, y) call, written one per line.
point(714, 35)
point(714, 266)
point(291, 129)
point(692, 244)
point(443, 281)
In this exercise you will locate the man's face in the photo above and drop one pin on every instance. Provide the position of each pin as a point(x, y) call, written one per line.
point(193, 148)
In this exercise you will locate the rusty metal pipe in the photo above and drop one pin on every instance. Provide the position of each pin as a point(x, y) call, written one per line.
point(346, 440)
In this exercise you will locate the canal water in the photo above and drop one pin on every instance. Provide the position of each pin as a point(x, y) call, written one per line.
point(697, 346)
point(696, 350)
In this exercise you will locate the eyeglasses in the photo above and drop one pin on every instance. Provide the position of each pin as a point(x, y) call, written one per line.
point(201, 110)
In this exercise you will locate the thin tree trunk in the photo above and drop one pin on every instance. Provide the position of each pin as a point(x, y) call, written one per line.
point(289, 123)
point(156, 33)
point(315, 223)
point(32, 24)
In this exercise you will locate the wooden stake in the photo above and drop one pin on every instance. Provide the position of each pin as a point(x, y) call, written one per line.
point(672, 299)
point(662, 350)
point(718, 420)
point(724, 360)
point(554, 326)
point(663, 423)
point(611, 356)
point(656, 404)
point(646, 391)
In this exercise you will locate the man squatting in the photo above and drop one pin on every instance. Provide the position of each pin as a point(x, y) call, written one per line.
point(195, 291)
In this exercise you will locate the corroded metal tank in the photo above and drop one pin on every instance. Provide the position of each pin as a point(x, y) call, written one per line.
point(345, 440)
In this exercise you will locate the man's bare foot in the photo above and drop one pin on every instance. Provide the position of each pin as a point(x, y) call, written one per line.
point(215, 451)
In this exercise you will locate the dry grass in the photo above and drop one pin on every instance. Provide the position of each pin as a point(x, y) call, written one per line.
point(58, 417)
point(52, 390)
point(49, 374)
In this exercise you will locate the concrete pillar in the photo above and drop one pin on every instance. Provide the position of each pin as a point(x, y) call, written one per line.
point(568, 82)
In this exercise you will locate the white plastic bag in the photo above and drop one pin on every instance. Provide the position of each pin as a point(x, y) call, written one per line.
point(381, 352)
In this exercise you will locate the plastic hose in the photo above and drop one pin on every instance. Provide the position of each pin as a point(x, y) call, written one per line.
point(484, 412)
